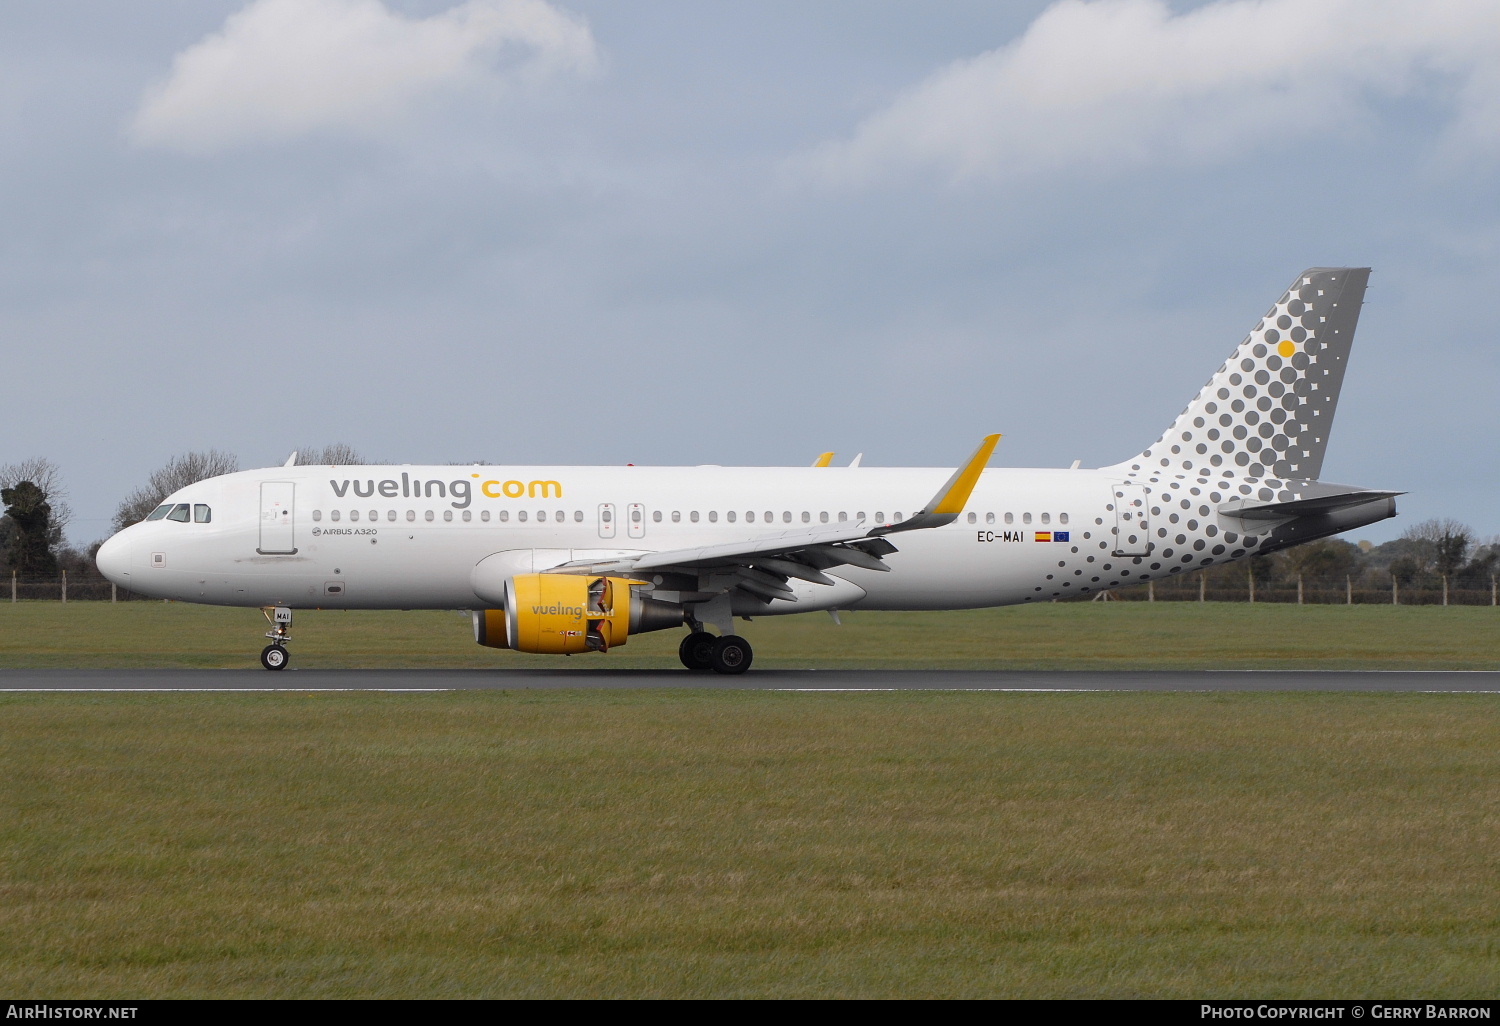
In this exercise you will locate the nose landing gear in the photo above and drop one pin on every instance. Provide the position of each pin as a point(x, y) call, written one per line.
point(275, 656)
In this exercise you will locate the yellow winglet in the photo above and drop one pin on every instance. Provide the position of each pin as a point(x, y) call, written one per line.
point(951, 499)
point(955, 494)
point(824, 460)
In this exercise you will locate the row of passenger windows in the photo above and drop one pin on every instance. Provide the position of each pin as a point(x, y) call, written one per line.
point(183, 512)
point(657, 516)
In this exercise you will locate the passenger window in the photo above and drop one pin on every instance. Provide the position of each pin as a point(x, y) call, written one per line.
point(375, 516)
point(411, 515)
point(390, 515)
point(1046, 518)
point(427, 515)
point(484, 515)
point(354, 514)
point(578, 516)
point(786, 516)
point(676, 517)
point(448, 515)
point(713, 516)
point(1010, 518)
point(860, 515)
point(989, 518)
point(202, 514)
point(806, 517)
point(317, 515)
point(879, 516)
point(693, 516)
point(770, 517)
point(521, 515)
point(973, 518)
point(160, 511)
point(843, 516)
point(1062, 518)
point(562, 516)
point(823, 517)
point(504, 516)
point(750, 516)
point(1025, 518)
point(468, 516)
point(541, 516)
point(334, 515)
point(635, 516)
point(180, 513)
point(656, 515)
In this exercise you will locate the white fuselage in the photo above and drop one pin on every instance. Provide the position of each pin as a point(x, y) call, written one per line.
point(406, 537)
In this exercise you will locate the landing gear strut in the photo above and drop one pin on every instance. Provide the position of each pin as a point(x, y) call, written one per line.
point(275, 656)
point(701, 651)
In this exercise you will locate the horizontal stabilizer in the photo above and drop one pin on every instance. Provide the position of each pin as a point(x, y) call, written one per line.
point(1246, 509)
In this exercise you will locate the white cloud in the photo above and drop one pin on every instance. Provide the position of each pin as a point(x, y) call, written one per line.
point(285, 68)
point(1127, 83)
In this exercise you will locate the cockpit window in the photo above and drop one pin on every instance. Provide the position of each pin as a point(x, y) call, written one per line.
point(182, 513)
point(160, 511)
point(202, 514)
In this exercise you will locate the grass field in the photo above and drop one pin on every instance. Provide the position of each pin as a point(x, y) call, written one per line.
point(1136, 635)
point(749, 844)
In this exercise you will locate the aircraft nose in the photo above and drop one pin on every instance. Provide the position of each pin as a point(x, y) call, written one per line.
point(113, 559)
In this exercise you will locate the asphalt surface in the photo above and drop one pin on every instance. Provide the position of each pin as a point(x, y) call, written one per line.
point(1478, 681)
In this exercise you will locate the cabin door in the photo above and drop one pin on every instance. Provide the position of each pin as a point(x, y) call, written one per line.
point(277, 518)
point(1132, 523)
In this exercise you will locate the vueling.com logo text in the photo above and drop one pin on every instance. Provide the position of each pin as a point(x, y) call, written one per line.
point(460, 491)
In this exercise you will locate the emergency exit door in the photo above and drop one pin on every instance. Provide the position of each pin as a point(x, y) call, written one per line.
point(1132, 524)
point(277, 535)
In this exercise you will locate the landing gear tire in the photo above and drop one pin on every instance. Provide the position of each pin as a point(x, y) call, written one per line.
point(732, 655)
point(697, 651)
point(274, 657)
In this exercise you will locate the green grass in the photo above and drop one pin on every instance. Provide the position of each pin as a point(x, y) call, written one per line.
point(749, 844)
point(1136, 635)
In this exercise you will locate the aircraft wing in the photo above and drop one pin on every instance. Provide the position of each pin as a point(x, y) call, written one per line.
point(763, 564)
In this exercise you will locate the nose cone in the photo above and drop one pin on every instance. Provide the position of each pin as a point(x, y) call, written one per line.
point(113, 559)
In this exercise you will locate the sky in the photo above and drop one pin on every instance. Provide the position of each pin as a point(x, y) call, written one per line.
point(517, 231)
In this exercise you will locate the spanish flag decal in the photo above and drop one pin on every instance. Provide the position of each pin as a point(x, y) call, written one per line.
point(1044, 536)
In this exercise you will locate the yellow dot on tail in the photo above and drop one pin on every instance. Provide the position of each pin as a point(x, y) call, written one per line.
point(1287, 347)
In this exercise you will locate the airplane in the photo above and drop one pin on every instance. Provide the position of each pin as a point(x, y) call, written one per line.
point(568, 560)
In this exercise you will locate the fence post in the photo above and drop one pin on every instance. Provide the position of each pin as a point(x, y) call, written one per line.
point(12, 585)
point(1492, 589)
point(1202, 587)
point(1299, 589)
point(65, 587)
point(1250, 576)
point(114, 595)
point(1395, 595)
point(1445, 589)
point(1150, 591)
point(1349, 589)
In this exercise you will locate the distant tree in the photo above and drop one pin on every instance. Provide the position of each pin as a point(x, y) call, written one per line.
point(1329, 559)
point(179, 472)
point(30, 514)
point(339, 454)
point(47, 476)
point(1448, 542)
point(1405, 569)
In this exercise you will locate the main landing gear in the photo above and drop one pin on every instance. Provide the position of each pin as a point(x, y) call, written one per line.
point(700, 651)
point(275, 656)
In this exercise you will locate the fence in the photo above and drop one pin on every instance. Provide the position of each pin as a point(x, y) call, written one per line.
point(65, 586)
point(1362, 590)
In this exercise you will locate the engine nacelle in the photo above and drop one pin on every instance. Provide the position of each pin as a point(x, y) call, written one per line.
point(564, 613)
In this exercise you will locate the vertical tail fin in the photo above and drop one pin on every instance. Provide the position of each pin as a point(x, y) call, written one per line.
point(1267, 412)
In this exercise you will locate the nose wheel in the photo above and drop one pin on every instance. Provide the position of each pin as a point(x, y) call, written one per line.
point(275, 656)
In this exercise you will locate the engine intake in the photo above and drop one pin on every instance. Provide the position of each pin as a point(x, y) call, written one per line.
point(559, 614)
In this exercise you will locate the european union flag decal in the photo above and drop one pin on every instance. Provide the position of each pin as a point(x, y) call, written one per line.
point(1059, 535)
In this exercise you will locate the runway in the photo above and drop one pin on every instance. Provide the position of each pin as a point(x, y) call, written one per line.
point(1439, 681)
